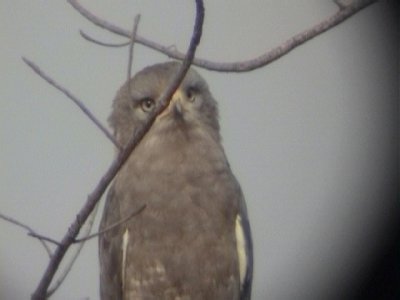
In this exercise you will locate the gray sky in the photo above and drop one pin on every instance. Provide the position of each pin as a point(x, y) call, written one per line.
point(312, 137)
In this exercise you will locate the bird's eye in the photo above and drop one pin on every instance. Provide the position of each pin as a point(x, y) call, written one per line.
point(147, 104)
point(191, 93)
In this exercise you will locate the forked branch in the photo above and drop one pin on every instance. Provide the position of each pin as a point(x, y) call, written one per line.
point(74, 99)
point(29, 229)
point(41, 291)
point(346, 10)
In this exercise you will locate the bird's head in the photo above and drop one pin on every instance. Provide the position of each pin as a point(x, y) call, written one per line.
point(192, 105)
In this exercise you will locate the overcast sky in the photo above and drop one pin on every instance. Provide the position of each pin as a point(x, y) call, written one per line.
point(312, 137)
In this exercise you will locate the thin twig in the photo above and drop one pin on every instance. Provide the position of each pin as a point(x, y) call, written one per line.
point(81, 241)
point(116, 224)
point(67, 269)
point(95, 41)
point(41, 291)
point(132, 43)
point(44, 238)
point(238, 66)
point(74, 99)
point(29, 229)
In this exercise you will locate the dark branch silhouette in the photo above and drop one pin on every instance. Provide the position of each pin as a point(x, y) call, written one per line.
point(131, 44)
point(112, 226)
point(101, 43)
point(58, 282)
point(41, 290)
point(346, 10)
point(28, 228)
point(74, 99)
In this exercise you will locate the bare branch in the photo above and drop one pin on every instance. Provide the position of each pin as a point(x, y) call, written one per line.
point(41, 290)
point(74, 99)
point(116, 224)
point(67, 269)
point(132, 43)
point(344, 12)
point(93, 40)
point(44, 238)
point(29, 229)
point(86, 235)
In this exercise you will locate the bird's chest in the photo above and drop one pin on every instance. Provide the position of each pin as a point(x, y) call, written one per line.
point(192, 201)
point(172, 164)
point(184, 186)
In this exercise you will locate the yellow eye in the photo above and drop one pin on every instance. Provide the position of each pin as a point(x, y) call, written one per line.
point(191, 93)
point(147, 104)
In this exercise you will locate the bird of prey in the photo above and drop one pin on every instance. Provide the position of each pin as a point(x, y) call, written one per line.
point(192, 240)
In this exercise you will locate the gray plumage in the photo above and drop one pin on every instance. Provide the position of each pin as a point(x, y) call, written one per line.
point(192, 241)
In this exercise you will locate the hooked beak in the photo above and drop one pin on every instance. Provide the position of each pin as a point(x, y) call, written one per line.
point(174, 108)
point(176, 105)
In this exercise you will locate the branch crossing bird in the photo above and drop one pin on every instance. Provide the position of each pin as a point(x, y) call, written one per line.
point(192, 240)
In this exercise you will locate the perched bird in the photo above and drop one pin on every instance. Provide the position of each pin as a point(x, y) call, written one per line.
point(192, 240)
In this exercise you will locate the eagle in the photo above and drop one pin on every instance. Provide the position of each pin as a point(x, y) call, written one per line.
point(192, 240)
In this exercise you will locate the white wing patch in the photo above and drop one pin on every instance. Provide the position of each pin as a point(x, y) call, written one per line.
point(125, 241)
point(241, 248)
